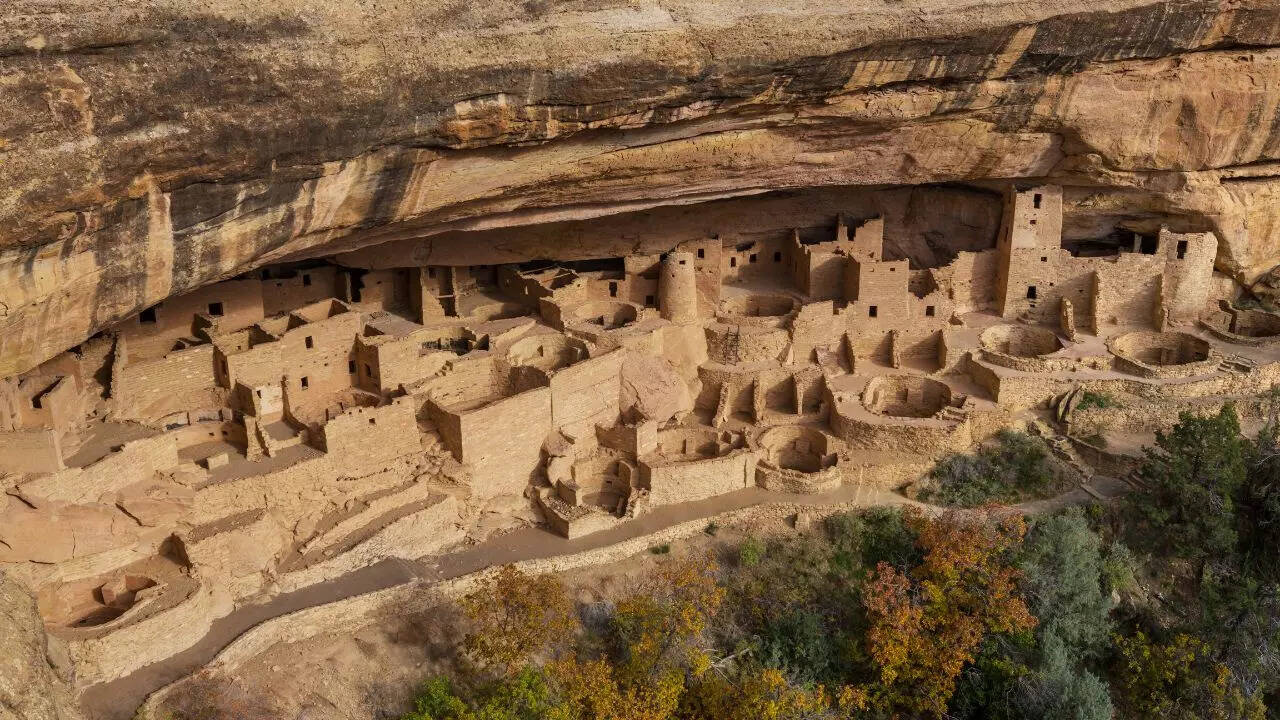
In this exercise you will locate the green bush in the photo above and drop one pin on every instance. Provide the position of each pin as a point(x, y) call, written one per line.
point(1102, 401)
point(1012, 468)
point(750, 552)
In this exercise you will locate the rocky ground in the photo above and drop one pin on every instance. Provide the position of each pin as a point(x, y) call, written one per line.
point(370, 670)
point(34, 672)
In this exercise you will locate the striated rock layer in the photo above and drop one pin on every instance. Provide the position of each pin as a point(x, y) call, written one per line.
point(152, 146)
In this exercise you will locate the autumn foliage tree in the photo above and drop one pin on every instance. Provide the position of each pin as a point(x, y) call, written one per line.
point(514, 615)
point(924, 626)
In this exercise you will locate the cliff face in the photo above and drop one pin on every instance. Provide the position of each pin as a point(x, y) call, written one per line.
point(151, 146)
point(29, 687)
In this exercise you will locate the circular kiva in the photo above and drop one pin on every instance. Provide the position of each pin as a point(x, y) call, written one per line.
point(906, 396)
point(1158, 349)
point(1021, 340)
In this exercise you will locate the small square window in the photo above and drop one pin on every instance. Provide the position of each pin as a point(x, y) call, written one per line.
point(928, 311)
point(753, 257)
point(733, 262)
point(215, 309)
point(681, 262)
point(1044, 258)
point(648, 300)
point(310, 342)
point(613, 289)
point(702, 252)
point(305, 384)
point(1036, 200)
point(1031, 292)
point(1033, 221)
point(893, 269)
point(777, 256)
point(1182, 249)
point(871, 311)
point(306, 279)
point(373, 421)
point(147, 317)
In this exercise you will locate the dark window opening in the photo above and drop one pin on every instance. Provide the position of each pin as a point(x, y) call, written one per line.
point(753, 257)
point(871, 311)
point(1182, 249)
point(1031, 292)
point(356, 278)
point(373, 421)
point(648, 300)
point(1035, 200)
point(1033, 221)
point(306, 279)
point(733, 262)
point(777, 256)
point(259, 393)
point(147, 317)
point(431, 272)
point(613, 289)
point(928, 311)
point(702, 252)
point(368, 370)
point(35, 403)
point(1044, 258)
point(305, 384)
point(310, 342)
point(1148, 244)
point(351, 367)
point(215, 309)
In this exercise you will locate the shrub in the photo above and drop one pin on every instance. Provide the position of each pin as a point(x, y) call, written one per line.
point(751, 551)
point(662, 549)
point(1102, 401)
point(1014, 467)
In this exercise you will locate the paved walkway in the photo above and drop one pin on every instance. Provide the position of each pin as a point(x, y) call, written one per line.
point(118, 699)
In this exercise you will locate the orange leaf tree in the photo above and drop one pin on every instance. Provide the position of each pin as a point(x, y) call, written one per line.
point(924, 627)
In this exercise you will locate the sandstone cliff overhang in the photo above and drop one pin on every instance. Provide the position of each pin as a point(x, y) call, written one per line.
point(154, 147)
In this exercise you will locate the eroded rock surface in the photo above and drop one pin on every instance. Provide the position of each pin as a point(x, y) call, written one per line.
point(30, 688)
point(157, 146)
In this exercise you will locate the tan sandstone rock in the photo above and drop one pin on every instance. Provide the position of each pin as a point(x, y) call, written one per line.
point(30, 687)
point(156, 147)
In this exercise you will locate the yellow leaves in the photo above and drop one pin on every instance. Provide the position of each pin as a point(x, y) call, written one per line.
point(660, 621)
point(514, 615)
point(592, 691)
point(924, 628)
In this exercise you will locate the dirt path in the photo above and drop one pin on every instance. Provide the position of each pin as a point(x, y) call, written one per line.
point(118, 699)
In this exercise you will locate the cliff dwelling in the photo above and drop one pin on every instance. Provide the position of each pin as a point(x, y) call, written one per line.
point(303, 305)
point(286, 426)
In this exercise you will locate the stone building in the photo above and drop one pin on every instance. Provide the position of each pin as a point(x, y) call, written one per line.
point(286, 426)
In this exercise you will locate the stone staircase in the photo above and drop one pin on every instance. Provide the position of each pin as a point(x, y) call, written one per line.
point(1237, 365)
point(1062, 448)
